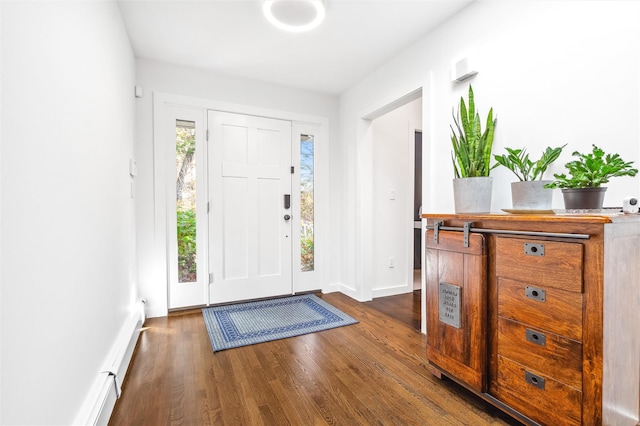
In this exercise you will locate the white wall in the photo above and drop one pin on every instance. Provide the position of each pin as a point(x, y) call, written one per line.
point(555, 72)
point(1, 399)
point(393, 137)
point(176, 80)
point(68, 223)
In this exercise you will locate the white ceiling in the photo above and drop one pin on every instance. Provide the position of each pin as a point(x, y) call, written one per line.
point(233, 37)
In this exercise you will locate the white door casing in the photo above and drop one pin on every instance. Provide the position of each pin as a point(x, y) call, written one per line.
point(249, 166)
point(307, 280)
point(186, 294)
point(160, 258)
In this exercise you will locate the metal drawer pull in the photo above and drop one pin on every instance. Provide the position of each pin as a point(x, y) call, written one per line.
point(534, 379)
point(535, 293)
point(536, 337)
point(534, 249)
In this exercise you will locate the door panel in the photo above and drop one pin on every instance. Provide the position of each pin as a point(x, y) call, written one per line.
point(456, 305)
point(249, 237)
point(235, 231)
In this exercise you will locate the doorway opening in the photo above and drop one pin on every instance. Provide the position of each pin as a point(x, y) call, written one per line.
point(392, 263)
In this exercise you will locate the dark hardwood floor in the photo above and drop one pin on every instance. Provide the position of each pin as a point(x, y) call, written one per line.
point(369, 373)
point(403, 307)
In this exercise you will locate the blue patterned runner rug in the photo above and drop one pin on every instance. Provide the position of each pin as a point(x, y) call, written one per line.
point(243, 324)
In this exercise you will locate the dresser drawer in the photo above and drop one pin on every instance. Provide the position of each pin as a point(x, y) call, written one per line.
point(537, 396)
point(544, 308)
point(552, 355)
point(543, 263)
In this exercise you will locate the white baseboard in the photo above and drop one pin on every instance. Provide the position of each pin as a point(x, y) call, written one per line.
point(99, 403)
point(331, 288)
point(392, 291)
point(156, 311)
point(346, 290)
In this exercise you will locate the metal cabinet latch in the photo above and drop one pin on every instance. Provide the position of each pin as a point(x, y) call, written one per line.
point(467, 228)
point(534, 249)
point(534, 379)
point(536, 337)
point(535, 293)
point(436, 230)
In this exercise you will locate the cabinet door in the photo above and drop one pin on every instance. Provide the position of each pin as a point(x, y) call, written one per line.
point(456, 306)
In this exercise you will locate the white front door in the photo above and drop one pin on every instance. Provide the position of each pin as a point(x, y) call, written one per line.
point(249, 165)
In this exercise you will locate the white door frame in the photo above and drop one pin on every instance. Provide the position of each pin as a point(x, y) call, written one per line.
point(160, 102)
point(309, 280)
point(183, 295)
point(363, 290)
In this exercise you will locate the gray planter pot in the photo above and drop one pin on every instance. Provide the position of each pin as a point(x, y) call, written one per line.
point(531, 195)
point(472, 195)
point(583, 198)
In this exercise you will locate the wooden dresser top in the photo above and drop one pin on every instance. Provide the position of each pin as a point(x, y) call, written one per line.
point(583, 216)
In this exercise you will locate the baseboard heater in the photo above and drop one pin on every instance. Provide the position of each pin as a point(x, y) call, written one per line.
point(107, 388)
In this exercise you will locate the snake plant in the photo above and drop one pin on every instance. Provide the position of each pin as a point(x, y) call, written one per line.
point(471, 153)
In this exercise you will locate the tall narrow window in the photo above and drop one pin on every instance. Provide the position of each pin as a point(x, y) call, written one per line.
point(306, 202)
point(186, 200)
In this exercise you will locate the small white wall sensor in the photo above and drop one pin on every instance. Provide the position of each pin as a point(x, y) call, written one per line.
point(133, 168)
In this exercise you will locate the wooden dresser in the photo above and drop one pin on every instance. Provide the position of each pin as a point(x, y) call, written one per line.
point(538, 314)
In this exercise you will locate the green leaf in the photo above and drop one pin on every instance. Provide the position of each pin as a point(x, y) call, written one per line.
point(524, 168)
point(592, 170)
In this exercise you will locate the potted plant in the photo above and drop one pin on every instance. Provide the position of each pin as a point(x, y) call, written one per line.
point(471, 158)
point(582, 187)
point(529, 192)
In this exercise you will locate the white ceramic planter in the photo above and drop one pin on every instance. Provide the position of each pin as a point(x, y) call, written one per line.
point(472, 195)
point(531, 195)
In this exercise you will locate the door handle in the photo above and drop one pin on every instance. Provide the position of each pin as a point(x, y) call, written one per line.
point(287, 217)
point(287, 201)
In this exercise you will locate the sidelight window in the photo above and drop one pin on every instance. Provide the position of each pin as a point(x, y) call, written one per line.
point(186, 200)
point(306, 202)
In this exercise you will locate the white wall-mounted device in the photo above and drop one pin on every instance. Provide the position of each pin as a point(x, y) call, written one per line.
point(462, 70)
point(133, 167)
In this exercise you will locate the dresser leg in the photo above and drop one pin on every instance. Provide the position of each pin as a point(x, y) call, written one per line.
point(436, 373)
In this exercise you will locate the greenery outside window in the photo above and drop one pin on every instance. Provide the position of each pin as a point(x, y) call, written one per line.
point(186, 200)
point(306, 202)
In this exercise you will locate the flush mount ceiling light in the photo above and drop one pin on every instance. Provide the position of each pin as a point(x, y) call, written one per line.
point(294, 15)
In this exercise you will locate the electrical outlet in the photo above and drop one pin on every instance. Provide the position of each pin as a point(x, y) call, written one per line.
point(392, 262)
